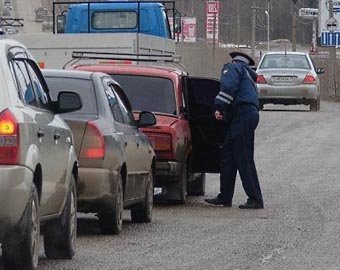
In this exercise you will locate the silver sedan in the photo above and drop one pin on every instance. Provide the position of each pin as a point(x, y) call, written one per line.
point(288, 78)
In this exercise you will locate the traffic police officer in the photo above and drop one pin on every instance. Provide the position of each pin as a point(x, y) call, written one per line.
point(237, 104)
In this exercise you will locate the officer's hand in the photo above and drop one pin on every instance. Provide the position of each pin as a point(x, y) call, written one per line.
point(218, 116)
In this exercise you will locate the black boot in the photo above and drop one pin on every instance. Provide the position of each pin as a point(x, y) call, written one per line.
point(217, 201)
point(251, 204)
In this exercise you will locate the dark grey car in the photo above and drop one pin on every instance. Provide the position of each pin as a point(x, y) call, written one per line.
point(116, 160)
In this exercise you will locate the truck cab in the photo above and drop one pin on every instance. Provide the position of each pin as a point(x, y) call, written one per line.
point(115, 17)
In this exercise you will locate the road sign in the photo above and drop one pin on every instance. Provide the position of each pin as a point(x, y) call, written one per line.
point(330, 39)
point(331, 24)
point(309, 13)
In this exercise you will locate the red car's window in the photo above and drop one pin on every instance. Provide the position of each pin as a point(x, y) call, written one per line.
point(149, 93)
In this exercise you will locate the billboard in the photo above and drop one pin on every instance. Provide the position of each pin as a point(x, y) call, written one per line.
point(189, 29)
point(212, 20)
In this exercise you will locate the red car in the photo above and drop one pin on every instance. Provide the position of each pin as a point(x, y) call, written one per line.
point(186, 138)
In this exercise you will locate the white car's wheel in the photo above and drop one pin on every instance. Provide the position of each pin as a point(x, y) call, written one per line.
point(60, 234)
point(22, 254)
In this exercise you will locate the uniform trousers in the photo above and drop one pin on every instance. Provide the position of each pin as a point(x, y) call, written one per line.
point(238, 155)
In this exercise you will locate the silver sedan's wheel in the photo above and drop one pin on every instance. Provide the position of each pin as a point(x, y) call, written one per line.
point(315, 105)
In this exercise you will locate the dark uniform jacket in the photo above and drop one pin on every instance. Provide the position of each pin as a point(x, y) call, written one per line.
point(238, 91)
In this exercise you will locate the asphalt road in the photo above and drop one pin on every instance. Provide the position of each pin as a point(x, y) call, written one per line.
point(298, 158)
point(297, 155)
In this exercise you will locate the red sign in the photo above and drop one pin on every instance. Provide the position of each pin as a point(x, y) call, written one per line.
point(213, 7)
point(212, 22)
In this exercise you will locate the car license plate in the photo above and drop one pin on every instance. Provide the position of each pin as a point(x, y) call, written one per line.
point(283, 79)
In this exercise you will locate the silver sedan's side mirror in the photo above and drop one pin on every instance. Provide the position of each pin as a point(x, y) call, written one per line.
point(320, 71)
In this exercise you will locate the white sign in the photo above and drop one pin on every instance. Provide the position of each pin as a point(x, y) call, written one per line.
point(308, 13)
point(331, 24)
point(329, 32)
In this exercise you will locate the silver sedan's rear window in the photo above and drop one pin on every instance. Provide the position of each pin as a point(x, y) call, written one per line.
point(291, 61)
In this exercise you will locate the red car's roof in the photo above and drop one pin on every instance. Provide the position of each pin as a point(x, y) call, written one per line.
point(158, 71)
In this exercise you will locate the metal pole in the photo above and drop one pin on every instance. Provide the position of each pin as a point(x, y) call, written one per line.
point(294, 27)
point(253, 30)
point(214, 37)
point(54, 18)
point(268, 30)
point(314, 36)
point(238, 24)
point(332, 58)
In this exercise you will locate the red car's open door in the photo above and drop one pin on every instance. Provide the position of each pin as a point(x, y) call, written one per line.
point(207, 133)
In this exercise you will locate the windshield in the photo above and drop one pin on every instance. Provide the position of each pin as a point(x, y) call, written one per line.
point(166, 22)
point(82, 87)
point(114, 19)
point(148, 93)
point(285, 61)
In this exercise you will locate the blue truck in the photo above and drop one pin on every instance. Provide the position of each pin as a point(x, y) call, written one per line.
point(145, 17)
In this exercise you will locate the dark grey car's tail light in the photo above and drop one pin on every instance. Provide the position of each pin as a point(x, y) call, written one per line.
point(93, 146)
point(9, 138)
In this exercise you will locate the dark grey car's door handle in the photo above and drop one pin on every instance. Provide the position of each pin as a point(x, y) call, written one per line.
point(40, 133)
point(56, 136)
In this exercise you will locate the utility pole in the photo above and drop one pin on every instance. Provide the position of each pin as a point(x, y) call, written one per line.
point(214, 37)
point(332, 58)
point(294, 26)
point(238, 26)
point(253, 29)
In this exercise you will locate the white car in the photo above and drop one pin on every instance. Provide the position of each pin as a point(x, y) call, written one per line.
point(38, 163)
point(288, 78)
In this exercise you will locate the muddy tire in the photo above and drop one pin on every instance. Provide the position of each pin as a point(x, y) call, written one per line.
point(112, 222)
point(22, 254)
point(60, 235)
point(197, 186)
point(261, 106)
point(143, 212)
point(315, 105)
point(177, 192)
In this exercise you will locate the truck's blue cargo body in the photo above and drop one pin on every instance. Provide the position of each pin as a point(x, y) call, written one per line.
point(118, 18)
